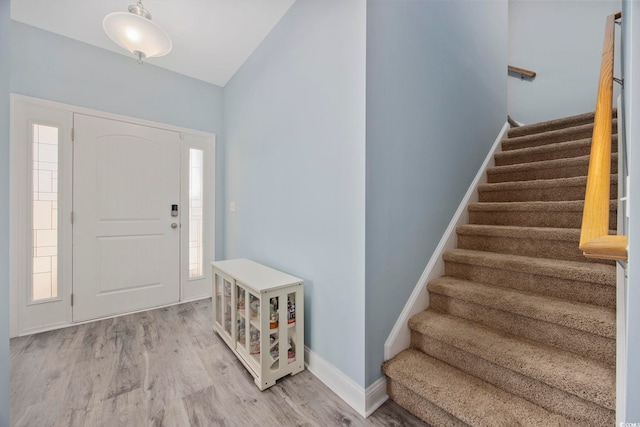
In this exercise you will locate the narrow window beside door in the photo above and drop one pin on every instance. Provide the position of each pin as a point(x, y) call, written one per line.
point(196, 158)
point(44, 283)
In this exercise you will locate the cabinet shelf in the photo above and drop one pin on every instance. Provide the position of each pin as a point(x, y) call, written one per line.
point(247, 296)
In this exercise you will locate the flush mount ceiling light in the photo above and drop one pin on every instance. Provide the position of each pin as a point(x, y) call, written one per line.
point(136, 32)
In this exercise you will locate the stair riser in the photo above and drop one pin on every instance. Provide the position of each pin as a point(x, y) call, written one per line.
point(581, 168)
point(577, 341)
point(553, 152)
point(552, 249)
point(585, 292)
point(421, 408)
point(566, 219)
point(556, 194)
point(548, 397)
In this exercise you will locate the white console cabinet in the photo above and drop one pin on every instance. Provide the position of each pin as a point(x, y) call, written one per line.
point(259, 313)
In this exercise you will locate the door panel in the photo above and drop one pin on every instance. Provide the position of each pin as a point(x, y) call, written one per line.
point(129, 262)
point(126, 255)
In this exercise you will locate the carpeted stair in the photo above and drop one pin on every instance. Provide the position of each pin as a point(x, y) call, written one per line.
point(521, 329)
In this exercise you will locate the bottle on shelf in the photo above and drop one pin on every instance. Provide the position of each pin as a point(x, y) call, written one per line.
point(273, 316)
point(291, 311)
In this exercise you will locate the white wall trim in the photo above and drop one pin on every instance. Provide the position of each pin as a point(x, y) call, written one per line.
point(364, 401)
point(400, 337)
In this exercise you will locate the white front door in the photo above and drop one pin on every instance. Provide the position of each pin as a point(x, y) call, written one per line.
point(126, 251)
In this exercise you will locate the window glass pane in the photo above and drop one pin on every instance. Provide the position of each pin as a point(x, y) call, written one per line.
point(196, 182)
point(44, 217)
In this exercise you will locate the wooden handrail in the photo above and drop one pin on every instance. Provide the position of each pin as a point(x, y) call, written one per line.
point(595, 241)
point(521, 71)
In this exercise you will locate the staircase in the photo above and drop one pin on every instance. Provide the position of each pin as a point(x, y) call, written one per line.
point(521, 329)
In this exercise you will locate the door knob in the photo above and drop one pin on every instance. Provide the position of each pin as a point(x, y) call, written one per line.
point(174, 225)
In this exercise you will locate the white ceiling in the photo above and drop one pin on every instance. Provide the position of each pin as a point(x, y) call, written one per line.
point(211, 38)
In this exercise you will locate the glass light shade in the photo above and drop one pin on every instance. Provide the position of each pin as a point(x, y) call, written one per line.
point(137, 34)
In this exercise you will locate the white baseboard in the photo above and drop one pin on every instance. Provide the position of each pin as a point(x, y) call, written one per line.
point(400, 337)
point(364, 401)
point(375, 395)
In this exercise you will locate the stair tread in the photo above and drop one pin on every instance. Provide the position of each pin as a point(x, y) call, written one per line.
point(568, 131)
point(469, 399)
point(544, 164)
point(549, 147)
point(545, 148)
point(541, 206)
point(556, 150)
point(538, 188)
point(586, 378)
point(545, 126)
point(602, 274)
point(547, 233)
point(576, 181)
point(560, 123)
point(594, 319)
point(553, 136)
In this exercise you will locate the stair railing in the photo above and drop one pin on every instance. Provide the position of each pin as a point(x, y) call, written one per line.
point(595, 241)
point(523, 72)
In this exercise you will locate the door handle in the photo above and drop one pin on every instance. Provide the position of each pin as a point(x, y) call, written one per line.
point(174, 225)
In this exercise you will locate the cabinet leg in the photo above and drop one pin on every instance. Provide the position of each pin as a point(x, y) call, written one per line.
point(297, 370)
point(263, 385)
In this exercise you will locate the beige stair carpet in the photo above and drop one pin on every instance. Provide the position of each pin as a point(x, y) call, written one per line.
point(521, 329)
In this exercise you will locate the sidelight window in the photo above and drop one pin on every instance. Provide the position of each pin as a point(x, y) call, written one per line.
point(196, 183)
point(44, 219)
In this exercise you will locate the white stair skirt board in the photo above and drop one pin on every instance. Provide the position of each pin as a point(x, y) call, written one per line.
point(364, 401)
point(400, 337)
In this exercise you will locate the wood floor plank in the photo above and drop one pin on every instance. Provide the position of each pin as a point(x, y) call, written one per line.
point(163, 367)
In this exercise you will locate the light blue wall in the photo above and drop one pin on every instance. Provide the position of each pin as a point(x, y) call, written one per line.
point(5, 54)
point(631, 35)
point(436, 101)
point(50, 66)
point(562, 42)
point(295, 165)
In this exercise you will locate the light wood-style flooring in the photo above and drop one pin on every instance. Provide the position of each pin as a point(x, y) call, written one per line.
point(163, 367)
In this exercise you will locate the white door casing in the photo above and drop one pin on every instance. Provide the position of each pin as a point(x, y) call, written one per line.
point(126, 255)
point(28, 316)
